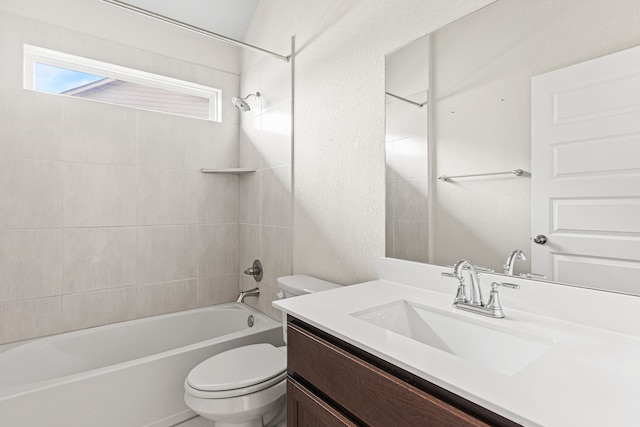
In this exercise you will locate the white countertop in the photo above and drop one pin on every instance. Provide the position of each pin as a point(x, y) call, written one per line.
point(589, 376)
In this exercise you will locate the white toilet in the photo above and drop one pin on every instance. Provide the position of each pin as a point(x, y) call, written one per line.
point(246, 386)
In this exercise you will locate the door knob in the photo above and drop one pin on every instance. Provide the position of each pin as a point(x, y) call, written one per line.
point(540, 239)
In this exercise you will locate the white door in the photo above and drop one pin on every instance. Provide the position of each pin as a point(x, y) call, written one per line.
point(585, 173)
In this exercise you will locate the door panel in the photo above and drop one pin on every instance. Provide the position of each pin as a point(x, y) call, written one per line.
point(586, 172)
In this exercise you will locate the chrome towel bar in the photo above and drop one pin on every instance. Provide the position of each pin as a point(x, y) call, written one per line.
point(516, 172)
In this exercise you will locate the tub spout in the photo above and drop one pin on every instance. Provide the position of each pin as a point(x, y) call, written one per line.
point(250, 293)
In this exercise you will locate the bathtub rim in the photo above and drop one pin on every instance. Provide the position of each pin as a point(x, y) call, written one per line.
point(11, 391)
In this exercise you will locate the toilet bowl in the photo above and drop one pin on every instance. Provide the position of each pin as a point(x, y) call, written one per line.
point(246, 386)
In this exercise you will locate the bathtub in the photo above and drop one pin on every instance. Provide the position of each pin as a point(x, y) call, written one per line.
point(127, 374)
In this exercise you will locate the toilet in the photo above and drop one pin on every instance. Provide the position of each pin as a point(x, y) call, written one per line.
point(246, 386)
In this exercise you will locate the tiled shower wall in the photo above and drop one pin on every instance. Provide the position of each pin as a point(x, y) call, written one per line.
point(104, 216)
point(265, 217)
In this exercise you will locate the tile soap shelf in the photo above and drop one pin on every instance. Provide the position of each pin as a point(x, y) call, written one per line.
point(235, 171)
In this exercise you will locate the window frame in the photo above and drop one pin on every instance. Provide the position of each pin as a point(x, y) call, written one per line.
point(36, 54)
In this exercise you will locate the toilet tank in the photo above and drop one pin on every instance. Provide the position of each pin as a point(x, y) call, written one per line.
point(300, 284)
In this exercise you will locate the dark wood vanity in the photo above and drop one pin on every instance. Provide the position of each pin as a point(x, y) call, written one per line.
point(333, 383)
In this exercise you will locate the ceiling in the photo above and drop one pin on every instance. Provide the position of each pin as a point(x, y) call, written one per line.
point(230, 18)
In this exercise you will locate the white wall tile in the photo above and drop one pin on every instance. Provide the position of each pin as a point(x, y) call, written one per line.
point(30, 192)
point(248, 250)
point(389, 240)
point(88, 309)
point(249, 198)
point(167, 297)
point(230, 86)
point(88, 46)
point(218, 198)
point(275, 197)
point(250, 83)
point(217, 290)
point(410, 240)
point(409, 159)
point(249, 138)
point(164, 65)
point(16, 31)
point(410, 201)
point(166, 254)
point(30, 124)
point(168, 141)
point(404, 120)
point(217, 145)
point(389, 197)
point(217, 250)
point(167, 197)
point(276, 252)
point(21, 320)
point(29, 264)
point(98, 258)
point(99, 195)
point(274, 144)
point(276, 82)
point(96, 132)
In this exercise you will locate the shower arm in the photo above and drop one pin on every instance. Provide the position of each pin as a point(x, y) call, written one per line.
point(257, 95)
point(198, 30)
point(417, 104)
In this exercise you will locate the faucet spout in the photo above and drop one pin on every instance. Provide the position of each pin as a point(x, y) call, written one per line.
point(475, 295)
point(250, 293)
point(511, 261)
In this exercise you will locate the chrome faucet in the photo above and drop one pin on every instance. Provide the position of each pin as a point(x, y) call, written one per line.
point(474, 303)
point(475, 295)
point(250, 293)
point(515, 255)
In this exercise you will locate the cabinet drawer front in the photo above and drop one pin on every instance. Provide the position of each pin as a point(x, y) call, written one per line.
point(306, 409)
point(372, 395)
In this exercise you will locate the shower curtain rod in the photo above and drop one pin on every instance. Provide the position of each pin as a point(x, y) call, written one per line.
point(417, 104)
point(198, 30)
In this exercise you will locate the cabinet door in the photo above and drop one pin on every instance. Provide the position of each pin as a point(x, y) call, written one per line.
point(308, 410)
point(372, 395)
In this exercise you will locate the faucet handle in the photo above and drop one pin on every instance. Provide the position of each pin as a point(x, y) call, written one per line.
point(494, 298)
point(481, 269)
point(495, 285)
point(461, 294)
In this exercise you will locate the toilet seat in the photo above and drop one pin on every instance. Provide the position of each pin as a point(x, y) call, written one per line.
point(237, 372)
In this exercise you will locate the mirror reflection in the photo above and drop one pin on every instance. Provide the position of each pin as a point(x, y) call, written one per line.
point(476, 77)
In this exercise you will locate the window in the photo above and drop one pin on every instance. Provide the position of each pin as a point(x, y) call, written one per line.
point(50, 71)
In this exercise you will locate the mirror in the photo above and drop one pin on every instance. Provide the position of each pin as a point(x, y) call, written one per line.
point(475, 75)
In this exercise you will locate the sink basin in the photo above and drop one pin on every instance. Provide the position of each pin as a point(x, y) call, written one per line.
point(500, 349)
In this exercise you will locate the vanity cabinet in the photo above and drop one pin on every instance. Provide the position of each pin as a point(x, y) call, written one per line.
point(332, 383)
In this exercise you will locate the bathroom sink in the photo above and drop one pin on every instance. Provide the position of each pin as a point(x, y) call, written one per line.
point(490, 346)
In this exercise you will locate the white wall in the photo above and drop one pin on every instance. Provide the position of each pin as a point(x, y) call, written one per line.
point(104, 215)
point(339, 104)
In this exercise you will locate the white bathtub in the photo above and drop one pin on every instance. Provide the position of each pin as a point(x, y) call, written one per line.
point(127, 374)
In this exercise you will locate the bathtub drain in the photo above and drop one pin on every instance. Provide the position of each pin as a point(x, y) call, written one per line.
point(250, 320)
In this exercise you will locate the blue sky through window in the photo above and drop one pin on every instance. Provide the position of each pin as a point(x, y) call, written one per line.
point(56, 80)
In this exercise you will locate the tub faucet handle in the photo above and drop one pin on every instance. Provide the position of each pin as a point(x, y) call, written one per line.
point(255, 270)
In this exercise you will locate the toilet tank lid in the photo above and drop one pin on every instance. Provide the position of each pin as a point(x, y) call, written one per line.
point(300, 284)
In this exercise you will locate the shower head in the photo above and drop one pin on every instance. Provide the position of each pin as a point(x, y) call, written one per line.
point(241, 103)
